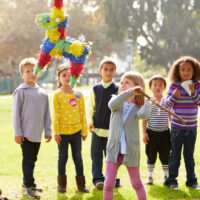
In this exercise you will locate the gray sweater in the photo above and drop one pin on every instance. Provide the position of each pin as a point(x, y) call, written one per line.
point(31, 113)
point(131, 129)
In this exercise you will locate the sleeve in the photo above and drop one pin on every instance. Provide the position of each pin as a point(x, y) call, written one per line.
point(117, 100)
point(47, 118)
point(17, 109)
point(170, 99)
point(196, 95)
point(83, 117)
point(145, 111)
point(91, 107)
point(55, 115)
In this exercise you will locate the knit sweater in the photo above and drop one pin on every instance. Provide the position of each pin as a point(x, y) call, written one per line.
point(185, 106)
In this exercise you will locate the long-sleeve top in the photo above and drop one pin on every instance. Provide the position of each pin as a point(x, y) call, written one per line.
point(130, 126)
point(185, 106)
point(68, 113)
point(91, 110)
point(31, 113)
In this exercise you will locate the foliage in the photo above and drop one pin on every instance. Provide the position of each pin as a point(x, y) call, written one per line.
point(163, 30)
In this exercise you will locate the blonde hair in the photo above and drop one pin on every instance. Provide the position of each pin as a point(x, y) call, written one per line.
point(62, 67)
point(107, 60)
point(174, 74)
point(25, 62)
point(138, 80)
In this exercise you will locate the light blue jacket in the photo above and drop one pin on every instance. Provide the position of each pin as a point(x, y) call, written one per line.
point(131, 129)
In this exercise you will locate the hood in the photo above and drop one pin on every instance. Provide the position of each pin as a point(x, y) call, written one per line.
point(24, 86)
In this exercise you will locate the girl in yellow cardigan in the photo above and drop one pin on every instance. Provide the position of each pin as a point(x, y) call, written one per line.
point(69, 126)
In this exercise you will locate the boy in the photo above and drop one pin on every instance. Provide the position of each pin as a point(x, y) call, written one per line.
point(156, 134)
point(30, 116)
point(99, 118)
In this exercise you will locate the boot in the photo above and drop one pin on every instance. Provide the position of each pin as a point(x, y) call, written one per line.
point(80, 182)
point(62, 182)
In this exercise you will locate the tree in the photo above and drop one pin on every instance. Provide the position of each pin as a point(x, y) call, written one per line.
point(163, 30)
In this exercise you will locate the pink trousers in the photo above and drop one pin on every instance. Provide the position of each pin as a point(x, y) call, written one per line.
point(111, 173)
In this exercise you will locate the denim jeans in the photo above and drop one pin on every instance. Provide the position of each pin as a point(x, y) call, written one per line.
point(185, 139)
point(98, 147)
point(29, 152)
point(75, 141)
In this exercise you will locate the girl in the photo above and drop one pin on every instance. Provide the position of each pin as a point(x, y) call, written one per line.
point(123, 141)
point(186, 106)
point(69, 125)
point(156, 134)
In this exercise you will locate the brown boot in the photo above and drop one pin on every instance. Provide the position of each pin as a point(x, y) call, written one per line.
point(80, 182)
point(62, 182)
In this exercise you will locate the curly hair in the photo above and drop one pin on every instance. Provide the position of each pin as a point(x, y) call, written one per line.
point(174, 74)
point(138, 80)
point(62, 67)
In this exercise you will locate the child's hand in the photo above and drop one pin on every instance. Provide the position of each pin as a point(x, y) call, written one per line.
point(84, 137)
point(58, 139)
point(176, 93)
point(145, 138)
point(91, 128)
point(137, 90)
point(47, 138)
point(191, 86)
point(19, 139)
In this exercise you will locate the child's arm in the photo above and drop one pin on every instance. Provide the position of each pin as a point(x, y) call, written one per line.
point(91, 110)
point(17, 108)
point(172, 95)
point(145, 111)
point(117, 100)
point(47, 121)
point(83, 117)
point(55, 119)
point(195, 90)
point(145, 135)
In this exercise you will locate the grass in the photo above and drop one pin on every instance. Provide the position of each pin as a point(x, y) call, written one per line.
point(46, 170)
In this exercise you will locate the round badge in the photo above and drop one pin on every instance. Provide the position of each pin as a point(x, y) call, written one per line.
point(73, 102)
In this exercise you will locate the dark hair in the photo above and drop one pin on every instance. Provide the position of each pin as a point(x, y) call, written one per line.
point(62, 67)
point(174, 75)
point(157, 77)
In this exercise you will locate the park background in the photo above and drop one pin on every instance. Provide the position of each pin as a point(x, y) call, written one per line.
point(142, 35)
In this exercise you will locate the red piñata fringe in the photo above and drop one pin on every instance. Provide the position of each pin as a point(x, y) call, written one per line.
point(63, 33)
point(58, 3)
point(76, 69)
point(44, 59)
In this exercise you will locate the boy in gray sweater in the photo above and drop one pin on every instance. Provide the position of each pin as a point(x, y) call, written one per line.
point(31, 116)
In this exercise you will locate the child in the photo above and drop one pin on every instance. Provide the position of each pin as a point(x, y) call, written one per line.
point(156, 134)
point(186, 106)
point(124, 141)
point(99, 117)
point(69, 125)
point(30, 116)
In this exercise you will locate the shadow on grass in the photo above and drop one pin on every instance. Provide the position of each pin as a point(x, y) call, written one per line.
point(161, 192)
point(76, 196)
point(98, 195)
point(195, 194)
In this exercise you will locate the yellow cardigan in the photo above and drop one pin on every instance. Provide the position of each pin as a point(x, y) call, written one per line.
point(68, 113)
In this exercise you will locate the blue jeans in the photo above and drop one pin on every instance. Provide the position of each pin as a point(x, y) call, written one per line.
point(75, 141)
point(98, 147)
point(185, 139)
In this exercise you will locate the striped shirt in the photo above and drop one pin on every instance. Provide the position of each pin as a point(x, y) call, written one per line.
point(158, 121)
point(185, 106)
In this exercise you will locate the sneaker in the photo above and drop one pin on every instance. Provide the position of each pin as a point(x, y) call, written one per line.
point(173, 186)
point(33, 187)
point(31, 194)
point(99, 185)
point(196, 187)
point(149, 181)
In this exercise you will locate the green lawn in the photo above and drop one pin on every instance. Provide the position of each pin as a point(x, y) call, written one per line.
point(46, 170)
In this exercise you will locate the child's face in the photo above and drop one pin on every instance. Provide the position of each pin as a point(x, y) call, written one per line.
point(185, 71)
point(107, 72)
point(27, 75)
point(157, 87)
point(125, 84)
point(64, 77)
